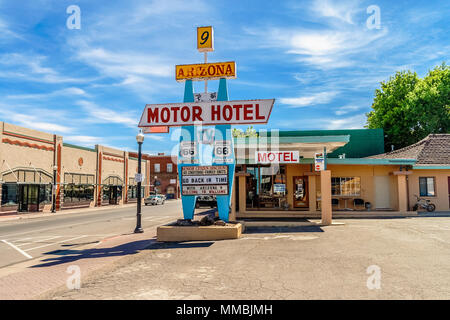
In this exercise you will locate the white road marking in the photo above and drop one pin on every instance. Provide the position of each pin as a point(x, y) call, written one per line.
point(49, 244)
point(18, 249)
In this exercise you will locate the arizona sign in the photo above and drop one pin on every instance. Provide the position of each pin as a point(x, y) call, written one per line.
point(206, 71)
point(207, 113)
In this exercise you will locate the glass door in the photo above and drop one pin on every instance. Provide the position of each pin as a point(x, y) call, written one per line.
point(28, 198)
point(301, 192)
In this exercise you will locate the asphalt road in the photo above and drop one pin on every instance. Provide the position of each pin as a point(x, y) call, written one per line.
point(21, 240)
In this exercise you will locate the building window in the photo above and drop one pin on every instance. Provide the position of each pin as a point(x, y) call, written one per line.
point(9, 194)
point(78, 187)
point(169, 167)
point(346, 186)
point(426, 186)
point(157, 167)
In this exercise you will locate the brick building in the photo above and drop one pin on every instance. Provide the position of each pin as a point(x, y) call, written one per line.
point(164, 176)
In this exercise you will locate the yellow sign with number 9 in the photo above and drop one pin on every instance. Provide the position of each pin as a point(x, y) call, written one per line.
point(205, 39)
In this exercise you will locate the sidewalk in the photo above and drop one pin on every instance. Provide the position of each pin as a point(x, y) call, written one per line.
point(32, 279)
point(33, 215)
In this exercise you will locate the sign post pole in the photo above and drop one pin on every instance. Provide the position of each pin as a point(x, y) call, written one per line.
point(224, 201)
point(187, 134)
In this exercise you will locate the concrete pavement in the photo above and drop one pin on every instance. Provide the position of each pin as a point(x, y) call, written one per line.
point(25, 239)
point(334, 262)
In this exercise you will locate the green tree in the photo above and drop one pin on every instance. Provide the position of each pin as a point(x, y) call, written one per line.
point(409, 108)
point(249, 132)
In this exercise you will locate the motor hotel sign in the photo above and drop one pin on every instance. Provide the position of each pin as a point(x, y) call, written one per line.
point(206, 71)
point(204, 180)
point(207, 113)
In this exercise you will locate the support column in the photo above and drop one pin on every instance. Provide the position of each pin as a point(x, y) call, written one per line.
point(312, 193)
point(242, 194)
point(233, 204)
point(325, 186)
point(402, 190)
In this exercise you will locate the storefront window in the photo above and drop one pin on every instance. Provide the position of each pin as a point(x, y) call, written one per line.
point(345, 186)
point(78, 193)
point(45, 193)
point(266, 187)
point(9, 194)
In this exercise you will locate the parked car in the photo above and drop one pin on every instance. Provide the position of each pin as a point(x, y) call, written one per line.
point(206, 201)
point(155, 199)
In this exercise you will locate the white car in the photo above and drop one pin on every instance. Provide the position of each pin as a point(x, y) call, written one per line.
point(155, 199)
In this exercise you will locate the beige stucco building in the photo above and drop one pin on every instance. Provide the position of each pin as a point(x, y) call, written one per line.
point(85, 177)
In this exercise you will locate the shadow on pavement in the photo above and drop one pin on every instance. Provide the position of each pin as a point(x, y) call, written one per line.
point(179, 245)
point(72, 255)
point(272, 229)
point(66, 256)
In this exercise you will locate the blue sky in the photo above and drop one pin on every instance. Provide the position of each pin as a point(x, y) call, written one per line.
point(318, 59)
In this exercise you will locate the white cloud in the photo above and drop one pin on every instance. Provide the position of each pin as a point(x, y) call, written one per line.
point(304, 101)
point(71, 91)
point(99, 114)
point(354, 122)
point(340, 10)
point(84, 140)
point(31, 67)
point(346, 109)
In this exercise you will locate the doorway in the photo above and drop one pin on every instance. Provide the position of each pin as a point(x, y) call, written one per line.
point(301, 192)
point(28, 198)
point(382, 192)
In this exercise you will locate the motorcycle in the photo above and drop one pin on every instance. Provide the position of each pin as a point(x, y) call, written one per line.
point(424, 203)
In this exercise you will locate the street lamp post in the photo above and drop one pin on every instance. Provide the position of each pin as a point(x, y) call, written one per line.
point(55, 167)
point(140, 140)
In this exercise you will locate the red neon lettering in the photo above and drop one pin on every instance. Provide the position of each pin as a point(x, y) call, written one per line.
point(196, 113)
point(258, 117)
point(262, 157)
point(166, 117)
point(220, 69)
point(185, 114)
point(238, 108)
point(286, 156)
point(213, 68)
point(152, 115)
point(271, 158)
point(248, 111)
point(215, 112)
point(175, 113)
point(230, 112)
point(190, 72)
point(229, 71)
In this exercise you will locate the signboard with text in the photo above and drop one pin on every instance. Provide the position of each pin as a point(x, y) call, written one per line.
point(205, 71)
point(207, 113)
point(205, 39)
point(204, 180)
point(266, 157)
point(319, 162)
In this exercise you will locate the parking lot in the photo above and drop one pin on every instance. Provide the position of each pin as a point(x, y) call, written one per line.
point(411, 256)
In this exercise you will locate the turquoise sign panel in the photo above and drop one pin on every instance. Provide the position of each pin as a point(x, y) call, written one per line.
point(212, 145)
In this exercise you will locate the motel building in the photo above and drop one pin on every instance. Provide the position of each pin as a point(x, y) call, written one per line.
point(31, 160)
point(359, 176)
